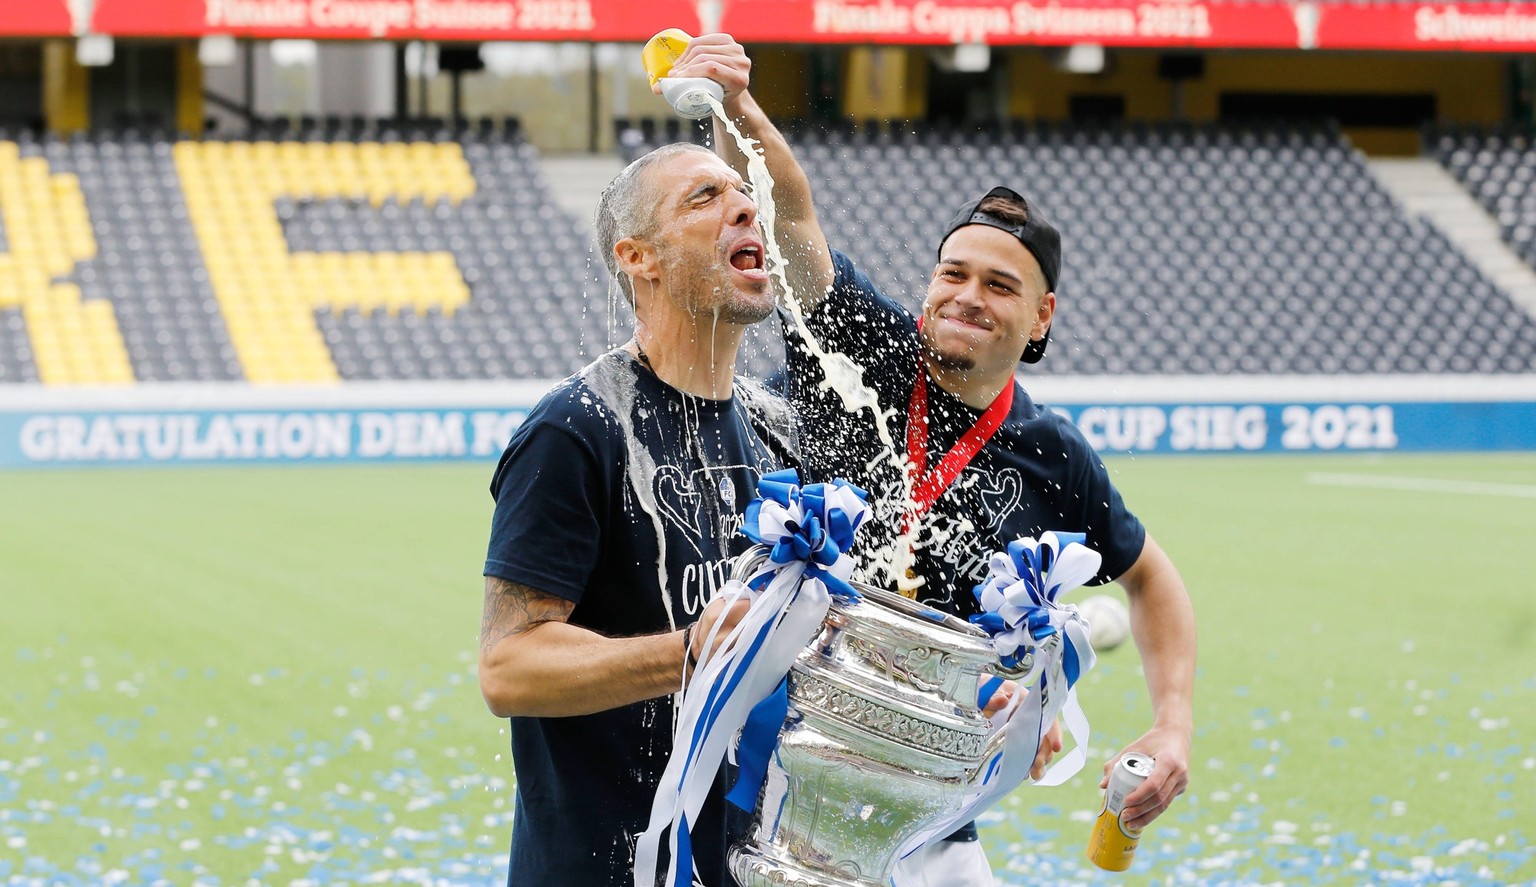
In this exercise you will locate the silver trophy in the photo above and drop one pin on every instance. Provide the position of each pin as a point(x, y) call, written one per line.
point(882, 740)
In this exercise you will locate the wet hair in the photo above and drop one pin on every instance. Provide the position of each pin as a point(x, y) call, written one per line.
point(628, 207)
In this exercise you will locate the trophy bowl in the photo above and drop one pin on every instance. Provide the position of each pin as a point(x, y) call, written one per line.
point(882, 740)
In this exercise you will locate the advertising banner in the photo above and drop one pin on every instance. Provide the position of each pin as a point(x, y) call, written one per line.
point(1037, 22)
point(1307, 427)
point(1040, 22)
point(194, 437)
point(448, 20)
point(1485, 27)
point(35, 18)
point(189, 437)
point(1477, 27)
point(996, 23)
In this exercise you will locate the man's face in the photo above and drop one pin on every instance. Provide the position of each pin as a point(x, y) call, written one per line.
point(708, 242)
point(987, 298)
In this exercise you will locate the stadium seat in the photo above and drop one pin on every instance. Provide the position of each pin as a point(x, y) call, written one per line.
point(50, 334)
point(1497, 166)
point(345, 248)
point(1187, 248)
point(230, 260)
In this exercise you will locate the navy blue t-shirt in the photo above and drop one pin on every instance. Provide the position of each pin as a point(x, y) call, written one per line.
point(625, 496)
point(1036, 474)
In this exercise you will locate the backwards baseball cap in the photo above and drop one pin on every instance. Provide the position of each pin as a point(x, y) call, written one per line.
point(1038, 236)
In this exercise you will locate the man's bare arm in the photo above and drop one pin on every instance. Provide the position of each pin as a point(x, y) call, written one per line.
point(1163, 624)
point(534, 663)
point(512, 610)
point(809, 263)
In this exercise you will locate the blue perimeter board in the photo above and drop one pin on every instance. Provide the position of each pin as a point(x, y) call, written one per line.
point(32, 438)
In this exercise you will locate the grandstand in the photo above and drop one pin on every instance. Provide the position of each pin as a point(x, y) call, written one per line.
point(294, 257)
point(1188, 249)
point(373, 252)
point(1497, 167)
point(145, 244)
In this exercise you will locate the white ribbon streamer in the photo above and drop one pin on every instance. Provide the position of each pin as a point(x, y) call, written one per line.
point(757, 653)
point(1021, 589)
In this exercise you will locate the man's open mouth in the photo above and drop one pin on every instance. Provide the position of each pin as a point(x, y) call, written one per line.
point(748, 258)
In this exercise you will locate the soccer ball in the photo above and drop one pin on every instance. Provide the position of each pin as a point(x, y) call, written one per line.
point(1109, 622)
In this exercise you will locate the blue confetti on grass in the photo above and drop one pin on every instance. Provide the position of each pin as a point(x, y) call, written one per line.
point(369, 833)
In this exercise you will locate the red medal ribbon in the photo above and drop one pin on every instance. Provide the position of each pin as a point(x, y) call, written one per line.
point(928, 486)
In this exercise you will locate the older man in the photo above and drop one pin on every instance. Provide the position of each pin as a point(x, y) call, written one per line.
point(617, 508)
point(975, 462)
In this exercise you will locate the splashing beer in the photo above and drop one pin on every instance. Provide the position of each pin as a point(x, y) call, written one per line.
point(1112, 845)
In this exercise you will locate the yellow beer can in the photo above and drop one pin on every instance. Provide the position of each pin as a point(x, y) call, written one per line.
point(662, 52)
point(689, 96)
point(1112, 846)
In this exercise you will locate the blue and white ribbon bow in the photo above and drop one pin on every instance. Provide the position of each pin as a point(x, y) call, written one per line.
point(808, 532)
point(807, 529)
point(1020, 611)
point(1018, 600)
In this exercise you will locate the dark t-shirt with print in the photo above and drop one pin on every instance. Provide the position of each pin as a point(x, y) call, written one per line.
point(1037, 473)
point(624, 496)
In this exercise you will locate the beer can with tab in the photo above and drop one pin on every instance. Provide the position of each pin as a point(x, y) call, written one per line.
point(1112, 845)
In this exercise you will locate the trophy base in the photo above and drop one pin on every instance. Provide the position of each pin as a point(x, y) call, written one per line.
point(754, 868)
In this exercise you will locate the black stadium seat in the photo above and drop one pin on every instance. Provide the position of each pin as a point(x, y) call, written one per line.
point(1187, 249)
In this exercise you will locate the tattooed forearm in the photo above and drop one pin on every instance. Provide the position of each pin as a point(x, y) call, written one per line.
point(512, 609)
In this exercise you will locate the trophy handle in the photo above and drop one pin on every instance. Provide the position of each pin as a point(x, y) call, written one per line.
point(1013, 673)
point(1024, 671)
point(748, 562)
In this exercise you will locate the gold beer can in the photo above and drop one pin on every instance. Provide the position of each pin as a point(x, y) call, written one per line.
point(662, 51)
point(1111, 845)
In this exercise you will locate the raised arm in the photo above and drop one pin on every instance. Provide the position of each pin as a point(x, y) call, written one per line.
point(1163, 624)
point(722, 59)
point(534, 663)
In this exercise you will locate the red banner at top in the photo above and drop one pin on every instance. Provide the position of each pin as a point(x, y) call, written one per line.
point(1260, 24)
point(554, 20)
point(1026, 22)
point(1474, 27)
point(35, 18)
point(1039, 22)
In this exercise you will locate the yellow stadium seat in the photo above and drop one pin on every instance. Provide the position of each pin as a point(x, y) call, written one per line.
point(268, 294)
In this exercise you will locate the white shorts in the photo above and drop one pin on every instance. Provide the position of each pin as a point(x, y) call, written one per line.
point(945, 864)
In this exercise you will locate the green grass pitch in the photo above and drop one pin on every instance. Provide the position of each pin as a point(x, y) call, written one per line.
point(227, 675)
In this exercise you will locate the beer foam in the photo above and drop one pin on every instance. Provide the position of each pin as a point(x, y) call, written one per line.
point(841, 374)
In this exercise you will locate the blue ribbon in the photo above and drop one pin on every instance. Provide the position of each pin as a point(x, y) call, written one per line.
point(1069, 664)
point(684, 877)
point(719, 693)
point(824, 534)
point(984, 694)
point(817, 541)
point(1032, 566)
point(808, 532)
point(759, 737)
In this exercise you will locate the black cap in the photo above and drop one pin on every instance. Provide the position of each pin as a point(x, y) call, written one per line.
point(1038, 236)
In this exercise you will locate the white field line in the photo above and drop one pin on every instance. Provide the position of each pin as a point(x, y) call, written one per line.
point(1424, 485)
